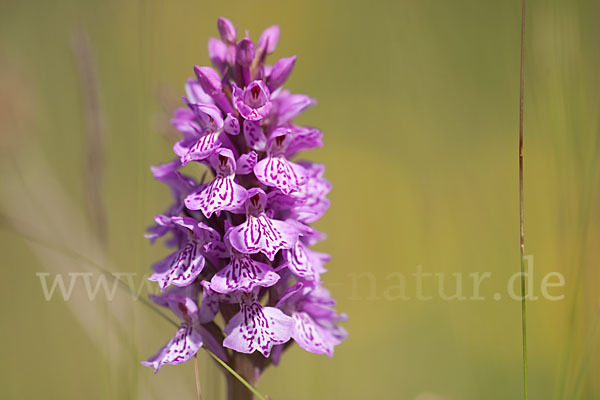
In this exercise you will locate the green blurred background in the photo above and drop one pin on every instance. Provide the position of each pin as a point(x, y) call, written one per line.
point(418, 101)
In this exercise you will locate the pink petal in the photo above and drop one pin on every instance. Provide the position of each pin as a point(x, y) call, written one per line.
point(181, 348)
point(278, 172)
point(258, 328)
point(222, 194)
point(243, 274)
point(261, 234)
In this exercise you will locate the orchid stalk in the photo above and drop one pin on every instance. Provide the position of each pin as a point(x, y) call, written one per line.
point(242, 240)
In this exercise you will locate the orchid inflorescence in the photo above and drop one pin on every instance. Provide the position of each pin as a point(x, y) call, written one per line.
point(242, 240)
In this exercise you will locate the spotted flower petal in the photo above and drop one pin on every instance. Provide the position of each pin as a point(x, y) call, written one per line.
point(181, 348)
point(246, 163)
point(264, 235)
point(257, 328)
point(220, 194)
point(184, 266)
point(311, 201)
point(243, 274)
point(276, 170)
point(311, 336)
point(254, 135)
point(231, 125)
point(223, 193)
point(202, 148)
point(259, 233)
point(304, 262)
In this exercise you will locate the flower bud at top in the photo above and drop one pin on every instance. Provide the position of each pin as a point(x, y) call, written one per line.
point(217, 51)
point(280, 72)
point(209, 80)
point(268, 39)
point(244, 53)
point(226, 30)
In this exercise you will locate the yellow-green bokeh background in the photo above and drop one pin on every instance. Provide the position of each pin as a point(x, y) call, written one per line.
point(418, 101)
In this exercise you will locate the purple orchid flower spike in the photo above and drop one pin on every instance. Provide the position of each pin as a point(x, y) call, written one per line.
point(243, 240)
point(183, 267)
point(260, 233)
point(253, 102)
point(275, 170)
point(257, 328)
point(223, 193)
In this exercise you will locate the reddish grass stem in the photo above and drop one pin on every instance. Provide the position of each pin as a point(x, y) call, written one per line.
point(521, 202)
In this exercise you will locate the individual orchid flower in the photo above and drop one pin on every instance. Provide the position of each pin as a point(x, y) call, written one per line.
point(211, 84)
point(244, 56)
point(242, 274)
point(303, 138)
point(267, 42)
point(316, 326)
point(183, 266)
point(280, 72)
point(259, 233)
point(275, 170)
point(257, 328)
point(223, 193)
point(180, 186)
point(187, 340)
point(253, 102)
point(287, 106)
point(226, 30)
point(305, 263)
point(205, 135)
point(311, 197)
